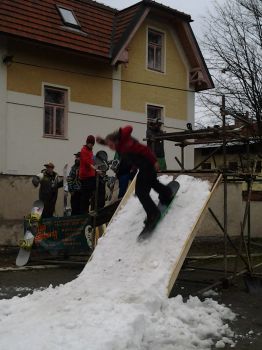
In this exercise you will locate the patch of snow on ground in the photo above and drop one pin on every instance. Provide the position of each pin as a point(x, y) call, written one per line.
point(210, 293)
point(119, 300)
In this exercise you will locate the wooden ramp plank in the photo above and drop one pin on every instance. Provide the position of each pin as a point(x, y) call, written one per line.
point(191, 236)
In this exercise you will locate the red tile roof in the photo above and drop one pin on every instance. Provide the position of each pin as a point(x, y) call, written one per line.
point(101, 26)
point(123, 19)
point(104, 31)
point(41, 21)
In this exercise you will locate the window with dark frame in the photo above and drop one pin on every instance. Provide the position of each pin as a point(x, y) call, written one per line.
point(69, 17)
point(155, 50)
point(55, 112)
point(154, 113)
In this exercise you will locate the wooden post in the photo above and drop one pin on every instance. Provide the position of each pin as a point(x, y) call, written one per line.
point(223, 114)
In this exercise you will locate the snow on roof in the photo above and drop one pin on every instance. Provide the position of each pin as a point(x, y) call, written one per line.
point(120, 299)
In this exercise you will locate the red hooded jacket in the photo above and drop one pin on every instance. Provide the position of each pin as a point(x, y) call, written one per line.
point(86, 160)
point(129, 146)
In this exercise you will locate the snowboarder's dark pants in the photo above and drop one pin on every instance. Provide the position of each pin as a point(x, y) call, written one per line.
point(76, 203)
point(88, 187)
point(147, 179)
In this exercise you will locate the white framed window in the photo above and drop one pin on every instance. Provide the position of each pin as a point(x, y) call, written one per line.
point(155, 50)
point(55, 112)
point(68, 17)
point(154, 113)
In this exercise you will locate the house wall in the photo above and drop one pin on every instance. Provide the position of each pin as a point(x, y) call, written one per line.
point(179, 106)
point(236, 208)
point(236, 204)
point(218, 163)
point(96, 106)
point(175, 75)
point(34, 65)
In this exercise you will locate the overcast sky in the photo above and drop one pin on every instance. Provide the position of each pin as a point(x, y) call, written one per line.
point(196, 8)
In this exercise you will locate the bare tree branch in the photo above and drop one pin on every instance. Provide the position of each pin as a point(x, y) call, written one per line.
point(233, 46)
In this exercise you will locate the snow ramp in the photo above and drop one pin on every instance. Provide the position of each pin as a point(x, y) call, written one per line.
point(119, 301)
point(158, 260)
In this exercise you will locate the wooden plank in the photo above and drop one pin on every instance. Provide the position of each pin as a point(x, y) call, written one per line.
point(188, 243)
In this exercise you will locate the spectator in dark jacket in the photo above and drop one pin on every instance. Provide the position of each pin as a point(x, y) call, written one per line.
point(141, 157)
point(74, 186)
point(49, 184)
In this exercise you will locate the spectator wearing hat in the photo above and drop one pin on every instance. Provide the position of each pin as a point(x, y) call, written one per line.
point(49, 184)
point(74, 186)
point(87, 174)
point(157, 146)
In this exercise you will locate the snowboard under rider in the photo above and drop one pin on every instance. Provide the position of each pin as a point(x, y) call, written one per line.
point(141, 157)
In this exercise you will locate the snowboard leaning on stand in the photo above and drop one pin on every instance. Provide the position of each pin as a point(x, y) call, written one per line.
point(67, 209)
point(31, 225)
point(147, 231)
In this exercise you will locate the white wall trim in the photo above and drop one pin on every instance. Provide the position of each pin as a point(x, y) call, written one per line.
point(191, 107)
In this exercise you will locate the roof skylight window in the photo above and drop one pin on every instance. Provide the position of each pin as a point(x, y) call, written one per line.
point(69, 17)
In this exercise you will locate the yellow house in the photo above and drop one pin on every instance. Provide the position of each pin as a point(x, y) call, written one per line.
point(73, 68)
point(69, 69)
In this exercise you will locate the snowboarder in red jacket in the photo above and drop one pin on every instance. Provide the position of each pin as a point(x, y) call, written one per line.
point(140, 156)
point(87, 174)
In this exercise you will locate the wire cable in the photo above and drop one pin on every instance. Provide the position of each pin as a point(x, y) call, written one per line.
point(116, 79)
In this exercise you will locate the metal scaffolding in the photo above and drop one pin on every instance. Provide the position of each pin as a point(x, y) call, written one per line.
point(245, 133)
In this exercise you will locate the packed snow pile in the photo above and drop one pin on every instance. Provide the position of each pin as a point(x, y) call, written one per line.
point(120, 299)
